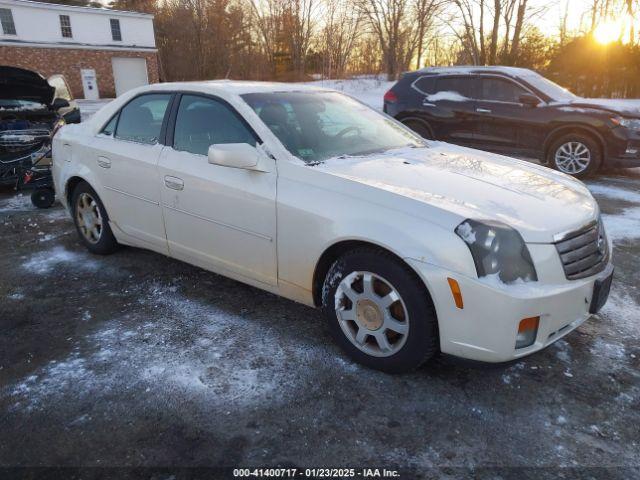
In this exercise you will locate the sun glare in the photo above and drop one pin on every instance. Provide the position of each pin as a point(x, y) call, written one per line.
point(607, 32)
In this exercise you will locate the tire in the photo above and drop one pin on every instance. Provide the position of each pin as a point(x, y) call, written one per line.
point(568, 153)
point(43, 197)
point(420, 128)
point(411, 311)
point(103, 243)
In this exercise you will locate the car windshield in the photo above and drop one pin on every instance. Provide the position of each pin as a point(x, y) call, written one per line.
point(315, 126)
point(549, 88)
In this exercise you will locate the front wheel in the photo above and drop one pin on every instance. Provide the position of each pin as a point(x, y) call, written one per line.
point(91, 221)
point(379, 312)
point(576, 155)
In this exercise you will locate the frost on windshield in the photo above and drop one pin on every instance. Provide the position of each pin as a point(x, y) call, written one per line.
point(465, 231)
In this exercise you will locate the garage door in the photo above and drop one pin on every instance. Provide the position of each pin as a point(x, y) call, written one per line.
point(129, 73)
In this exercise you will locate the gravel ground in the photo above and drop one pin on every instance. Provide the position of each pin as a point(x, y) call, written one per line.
point(138, 360)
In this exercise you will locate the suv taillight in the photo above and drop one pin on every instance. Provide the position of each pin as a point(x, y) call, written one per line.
point(390, 97)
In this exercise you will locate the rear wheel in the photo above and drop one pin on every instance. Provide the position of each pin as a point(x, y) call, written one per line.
point(575, 154)
point(91, 220)
point(420, 128)
point(379, 312)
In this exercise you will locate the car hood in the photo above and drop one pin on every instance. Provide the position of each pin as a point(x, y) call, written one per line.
point(19, 84)
point(537, 201)
point(627, 107)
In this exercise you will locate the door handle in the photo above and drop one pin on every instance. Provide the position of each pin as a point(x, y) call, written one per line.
point(104, 162)
point(174, 183)
point(483, 110)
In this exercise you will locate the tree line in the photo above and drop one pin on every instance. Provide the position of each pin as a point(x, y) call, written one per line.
point(295, 40)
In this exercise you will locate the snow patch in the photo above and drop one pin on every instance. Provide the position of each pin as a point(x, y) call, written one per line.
point(448, 96)
point(623, 312)
point(616, 193)
point(193, 349)
point(16, 203)
point(625, 225)
point(44, 262)
point(601, 348)
point(369, 89)
point(466, 233)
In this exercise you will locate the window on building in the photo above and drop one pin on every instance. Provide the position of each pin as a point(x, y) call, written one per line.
point(65, 26)
point(6, 20)
point(116, 33)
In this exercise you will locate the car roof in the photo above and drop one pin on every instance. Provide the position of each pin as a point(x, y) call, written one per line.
point(237, 87)
point(472, 69)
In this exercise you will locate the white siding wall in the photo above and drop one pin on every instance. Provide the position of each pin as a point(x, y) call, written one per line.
point(40, 23)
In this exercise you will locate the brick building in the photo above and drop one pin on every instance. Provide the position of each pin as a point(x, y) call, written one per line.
point(101, 52)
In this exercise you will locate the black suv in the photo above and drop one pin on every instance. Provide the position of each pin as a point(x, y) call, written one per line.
point(517, 111)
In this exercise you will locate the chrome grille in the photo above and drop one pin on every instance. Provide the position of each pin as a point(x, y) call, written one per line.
point(584, 252)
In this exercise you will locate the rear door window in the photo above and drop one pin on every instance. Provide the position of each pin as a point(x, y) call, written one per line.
point(141, 119)
point(500, 90)
point(459, 88)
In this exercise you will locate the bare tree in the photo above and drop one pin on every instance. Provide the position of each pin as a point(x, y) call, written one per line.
point(400, 27)
point(339, 35)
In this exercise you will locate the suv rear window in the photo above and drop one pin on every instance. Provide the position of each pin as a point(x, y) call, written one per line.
point(460, 85)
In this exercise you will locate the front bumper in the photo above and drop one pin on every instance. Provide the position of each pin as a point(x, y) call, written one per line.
point(485, 328)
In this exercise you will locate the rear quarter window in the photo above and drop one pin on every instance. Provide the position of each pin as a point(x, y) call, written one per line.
point(425, 85)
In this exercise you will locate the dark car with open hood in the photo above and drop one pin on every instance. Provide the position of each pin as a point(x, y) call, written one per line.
point(31, 109)
point(519, 112)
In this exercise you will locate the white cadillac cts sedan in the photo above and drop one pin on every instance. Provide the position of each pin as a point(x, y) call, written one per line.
point(410, 247)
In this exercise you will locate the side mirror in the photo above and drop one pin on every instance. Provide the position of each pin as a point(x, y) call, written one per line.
point(529, 100)
point(235, 155)
point(59, 103)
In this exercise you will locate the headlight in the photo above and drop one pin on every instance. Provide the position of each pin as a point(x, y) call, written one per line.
point(497, 248)
point(630, 123)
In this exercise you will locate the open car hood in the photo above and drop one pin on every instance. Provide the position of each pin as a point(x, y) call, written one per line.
point(19, 84)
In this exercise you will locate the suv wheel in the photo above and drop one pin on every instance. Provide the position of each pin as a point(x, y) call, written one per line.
point(575, 154)
point(91, 221)
point(420, 128)
point(379, 312)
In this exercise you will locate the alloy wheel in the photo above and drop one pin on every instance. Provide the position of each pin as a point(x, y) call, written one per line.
point(88, 218)
point(372, 314)
point(573, 157)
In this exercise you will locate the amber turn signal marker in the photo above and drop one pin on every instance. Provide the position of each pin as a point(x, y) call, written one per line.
point(455, 291)
point(528, 324)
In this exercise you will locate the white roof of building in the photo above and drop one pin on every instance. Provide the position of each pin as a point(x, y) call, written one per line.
point(74, 8)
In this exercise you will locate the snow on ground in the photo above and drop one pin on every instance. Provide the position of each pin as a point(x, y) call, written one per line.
point(159, 357)
point(623, 225)
point(368, 89)
point(46, 261)
point(16, 203)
